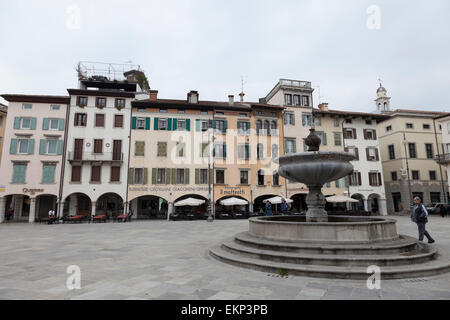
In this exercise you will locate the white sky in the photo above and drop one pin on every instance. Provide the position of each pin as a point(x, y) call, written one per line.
point(207, 45)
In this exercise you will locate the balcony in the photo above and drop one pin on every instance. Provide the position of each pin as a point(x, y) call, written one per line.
point(295, 83)
point(443, 159)
point(89, 157)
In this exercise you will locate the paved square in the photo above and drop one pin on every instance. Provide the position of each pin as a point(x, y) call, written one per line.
point(169, 260)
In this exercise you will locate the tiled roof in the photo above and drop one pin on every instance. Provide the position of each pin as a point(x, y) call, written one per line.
point(35, 98)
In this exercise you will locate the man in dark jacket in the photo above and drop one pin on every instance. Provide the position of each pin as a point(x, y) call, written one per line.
point(420, 216)
point(442, 210)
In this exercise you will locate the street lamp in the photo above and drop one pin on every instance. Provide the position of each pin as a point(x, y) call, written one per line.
point(209, 208)
point(405, 142)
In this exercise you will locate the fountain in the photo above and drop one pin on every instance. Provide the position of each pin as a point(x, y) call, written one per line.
point(319, 245)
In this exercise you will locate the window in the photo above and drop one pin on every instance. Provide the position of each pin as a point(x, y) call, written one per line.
point(53, 124)
point(296, 99)
point(323, 137)
point(336, 122)
point(219, 112)
point(203, 112)
point(26, 106)
point(369, 134)
point(120, 103)
point(275, 179)
point(289, 119)
point(243, 115)
point(369, 122)
point(82, 101)
point(220, 126)
point(80, 119)
point(220, 176)
point(181, 124)
point(290, 146)
point(391, 152)
point(337, 139)
point(261, 179)
point(51, 146)
point(409, 126)
point(354, 151)
point(258, 126)
point(118, 121)
point(203, 176)
point(181, 111)
point(371, 153)
point(76, 174)
point(412, 150)
point(180, 176)
point(260, 151)
point(101, 102)
point(355, 178)
point(98, 145)
point(432, 175)
point(388, 128)
point(204, 125)
point(140, 123)
point(426, 126)
point(394, 176)
point(161, 176)
point(138, 176)
point(139, 148)
point(19, 172)
point(340, 183)
point(274, 151)
point(48, 173)
point(25, 123)
point(220, 150)
point(305, 100)
point(318, 121)
point(374, 179)
point(96, 173)
point(204, 150)
point(415, 174)
point(243, 151)
point(54, 107)
point(162, 124)
point(244, 176)
point(162, 149)
point(23, 146)
point(99, 120)
point(115, 174)
point(348, 120)
point(163, 110)
point(429, 150)
point(306, 120)
point(288, 99)
point(435, 197)
point(350, 133)
point(243, 127)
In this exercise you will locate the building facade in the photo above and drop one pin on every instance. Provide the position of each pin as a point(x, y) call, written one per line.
point(409, 141)
point(443, 156)
point(96, 164)
point(32, 156)
point(3, 114)
point(296, 97)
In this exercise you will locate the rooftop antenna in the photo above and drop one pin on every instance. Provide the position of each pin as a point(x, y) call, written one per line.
point(242, 94)
point(320, 96)
point(379, 80)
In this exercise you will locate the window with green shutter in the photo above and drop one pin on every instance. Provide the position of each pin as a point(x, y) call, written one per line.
point(48, 173)
point(19, 171)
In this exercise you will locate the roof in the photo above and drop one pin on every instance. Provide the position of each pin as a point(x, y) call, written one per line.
point(101, 93)
point(443, 116)
point(419, 112)
point(3, 108)
point(243, 106)
point(36, 98)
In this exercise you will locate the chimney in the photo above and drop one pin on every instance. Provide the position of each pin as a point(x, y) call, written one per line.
point(230, 99)
point(242, 96)
point(192, 96)
point(153, 95)
point(323, 106)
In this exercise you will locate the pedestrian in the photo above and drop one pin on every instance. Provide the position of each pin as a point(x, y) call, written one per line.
point(284, 207)
point(442, 210)
point(420, 216)
point(268, 208)
point(51, 216)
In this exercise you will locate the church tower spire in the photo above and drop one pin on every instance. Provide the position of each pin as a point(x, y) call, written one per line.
point(382, 101)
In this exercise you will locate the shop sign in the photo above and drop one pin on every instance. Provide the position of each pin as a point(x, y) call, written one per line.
point(32, 191)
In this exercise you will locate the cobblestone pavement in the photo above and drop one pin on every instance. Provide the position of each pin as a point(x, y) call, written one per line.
point(169, 260)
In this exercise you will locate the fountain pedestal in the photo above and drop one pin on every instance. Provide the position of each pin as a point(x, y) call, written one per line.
point(316, 205)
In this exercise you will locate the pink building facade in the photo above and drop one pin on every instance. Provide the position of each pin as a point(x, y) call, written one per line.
point(33, 149)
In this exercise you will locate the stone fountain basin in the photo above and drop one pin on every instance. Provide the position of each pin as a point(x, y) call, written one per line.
point(316, 167)
point(338, 229)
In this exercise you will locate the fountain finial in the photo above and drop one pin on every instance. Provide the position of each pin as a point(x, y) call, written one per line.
point(313, 141)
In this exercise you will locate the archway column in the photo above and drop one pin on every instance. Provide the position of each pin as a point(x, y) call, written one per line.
point(382, 207)
point(18, 206)
point(366, 205)
point(2, 209)
point(60, 209)
point(32, 215)
point(93, 208)
point(169, 210)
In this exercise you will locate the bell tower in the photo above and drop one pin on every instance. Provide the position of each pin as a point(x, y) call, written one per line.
point(382, 101)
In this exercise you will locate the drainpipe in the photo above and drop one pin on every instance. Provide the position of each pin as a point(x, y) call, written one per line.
point(60, 210)
point(440, 166)
point(343, 145)
point(127, 204)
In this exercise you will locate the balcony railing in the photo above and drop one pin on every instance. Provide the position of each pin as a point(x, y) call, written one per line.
point(295, 83)
point(267, 132)
point(90, 156)
point(443, 158)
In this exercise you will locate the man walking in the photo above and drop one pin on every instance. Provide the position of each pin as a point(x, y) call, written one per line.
point(284, 207)
point(420, 216)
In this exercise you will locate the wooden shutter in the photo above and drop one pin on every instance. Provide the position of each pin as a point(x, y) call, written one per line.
point(380, 182)
point(117, 150)
point(78, 149)
point(59, 147)
point(197, 176)
point(145, 175)
point(13, 146)
point(42, 145)
point(356, 153)
point(76, 173)
point(370, 180)
point(155, 123)
point(31, 146)
point(115, 174)
point(174, 123)
point(16, 122)
point(154, 173)
point(374, 134)
point(367, 154)
point(99, 120)
point(61, 124)
point(98, 145)
point(365, 134)
point(359, 178)
point(147, 123)
point(377, 156)
point(173, 175)
point(33, 123)
point(130, 175)
point(118, 121)
point(95, 173)
point(45, 124)
point(186, 176)
point(354, 134)
point(188, 124)
point(133, 123)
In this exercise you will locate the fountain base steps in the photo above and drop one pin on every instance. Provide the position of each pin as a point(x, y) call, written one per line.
point(402, 258)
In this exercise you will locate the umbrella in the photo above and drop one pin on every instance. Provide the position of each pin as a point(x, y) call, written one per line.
point(233, 202)
point(189, 202)
point(340, 199)
point(277, 200)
